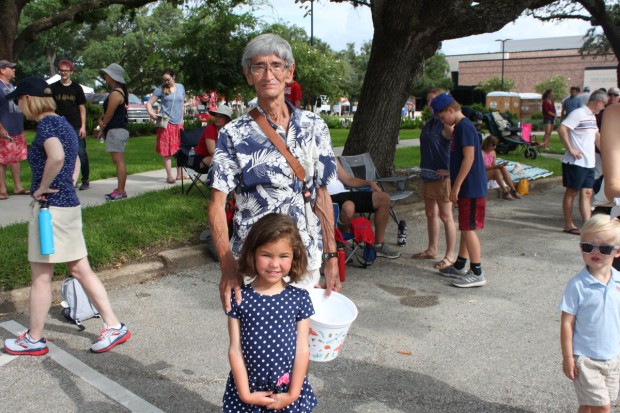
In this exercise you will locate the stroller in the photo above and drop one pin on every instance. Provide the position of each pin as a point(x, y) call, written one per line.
point(509, 136)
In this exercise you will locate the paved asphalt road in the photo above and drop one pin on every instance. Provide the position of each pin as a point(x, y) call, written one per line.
point(418, 345)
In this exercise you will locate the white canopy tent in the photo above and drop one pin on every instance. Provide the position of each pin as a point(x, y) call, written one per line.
point(56, 78)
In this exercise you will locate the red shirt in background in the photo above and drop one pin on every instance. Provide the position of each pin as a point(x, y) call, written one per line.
point(210, 133)
point(547, 107)
point(293, 92)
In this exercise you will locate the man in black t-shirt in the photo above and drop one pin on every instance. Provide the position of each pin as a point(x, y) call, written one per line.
point(71, 103)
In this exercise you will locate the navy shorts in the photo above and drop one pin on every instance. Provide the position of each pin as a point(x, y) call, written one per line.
point(577, 177)
point(361, 199)
point(549, 121)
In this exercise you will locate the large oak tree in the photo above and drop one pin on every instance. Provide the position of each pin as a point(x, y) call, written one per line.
point(406, 33)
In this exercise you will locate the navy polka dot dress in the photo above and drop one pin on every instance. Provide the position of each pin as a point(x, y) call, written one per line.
point(268, 338)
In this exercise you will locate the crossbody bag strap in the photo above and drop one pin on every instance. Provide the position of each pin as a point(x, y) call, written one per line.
point(279, 144)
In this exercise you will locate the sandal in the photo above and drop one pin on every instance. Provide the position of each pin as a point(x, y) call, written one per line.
point(444, 263)
point(515, 194)
point(3, 196)
point(185, 177)
point(424, 255)
point(508, 196)
point(171, 181)
point(572, 231)
point(22, 192)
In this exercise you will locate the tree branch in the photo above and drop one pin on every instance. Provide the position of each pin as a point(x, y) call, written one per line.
point(31, 32)
point(562, 16)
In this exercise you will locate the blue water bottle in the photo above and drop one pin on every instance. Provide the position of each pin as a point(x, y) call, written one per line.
point(46, 237)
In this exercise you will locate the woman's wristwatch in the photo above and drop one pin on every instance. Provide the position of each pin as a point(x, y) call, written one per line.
point(329, 255)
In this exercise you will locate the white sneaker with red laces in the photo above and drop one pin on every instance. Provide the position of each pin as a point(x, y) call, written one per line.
point(110, 338)
point(24, 346)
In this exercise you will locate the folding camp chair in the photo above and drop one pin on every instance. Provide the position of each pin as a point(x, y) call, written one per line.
point(185, 159)
point(362, 166)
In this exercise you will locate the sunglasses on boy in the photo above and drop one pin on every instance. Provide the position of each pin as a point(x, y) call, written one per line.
point(588, 248)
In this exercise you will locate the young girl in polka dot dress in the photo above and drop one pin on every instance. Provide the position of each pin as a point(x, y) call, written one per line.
point(269, 351)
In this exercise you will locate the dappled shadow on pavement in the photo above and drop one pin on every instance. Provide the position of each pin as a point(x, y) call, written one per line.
point(355, 386)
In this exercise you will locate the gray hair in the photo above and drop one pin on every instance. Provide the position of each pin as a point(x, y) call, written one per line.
point(598, 95)
point(265, 45)
point(613, 89)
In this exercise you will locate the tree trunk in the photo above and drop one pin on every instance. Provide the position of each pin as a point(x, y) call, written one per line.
point(377, 121)
point(8, 28)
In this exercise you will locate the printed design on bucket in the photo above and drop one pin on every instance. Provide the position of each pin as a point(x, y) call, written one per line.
point(326, 347)
point(330, 324)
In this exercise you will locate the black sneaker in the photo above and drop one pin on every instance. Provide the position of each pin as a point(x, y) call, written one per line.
point(85, 185)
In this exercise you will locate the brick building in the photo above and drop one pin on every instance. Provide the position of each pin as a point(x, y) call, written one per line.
point(528, 62)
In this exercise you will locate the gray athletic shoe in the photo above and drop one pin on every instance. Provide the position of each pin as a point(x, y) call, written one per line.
point(470, 280)
point(386, 252)
point(452, 272)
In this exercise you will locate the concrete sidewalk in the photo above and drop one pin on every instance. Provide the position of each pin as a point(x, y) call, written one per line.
point(15, 209)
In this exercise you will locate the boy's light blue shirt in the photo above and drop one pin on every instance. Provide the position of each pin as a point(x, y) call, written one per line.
point(596, 307)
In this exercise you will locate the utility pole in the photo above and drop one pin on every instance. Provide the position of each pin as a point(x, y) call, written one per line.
point(503, 44)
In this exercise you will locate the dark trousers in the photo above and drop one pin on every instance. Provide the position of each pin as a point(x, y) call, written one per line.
point(84, 167)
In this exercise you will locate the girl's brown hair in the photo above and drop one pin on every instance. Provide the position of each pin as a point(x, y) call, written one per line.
point(488, 142)
point(272, 228)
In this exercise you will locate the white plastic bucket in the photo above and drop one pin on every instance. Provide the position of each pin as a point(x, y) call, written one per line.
point(330, 323)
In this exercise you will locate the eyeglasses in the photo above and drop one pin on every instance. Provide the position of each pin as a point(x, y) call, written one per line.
point(64, 71)
point(588, 248)
point(166, 79)
point(613, 95)
point(276, 68)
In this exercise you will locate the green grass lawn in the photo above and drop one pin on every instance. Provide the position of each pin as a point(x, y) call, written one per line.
point(137, 228)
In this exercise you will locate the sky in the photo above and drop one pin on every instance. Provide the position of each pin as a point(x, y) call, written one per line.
point(340, 23)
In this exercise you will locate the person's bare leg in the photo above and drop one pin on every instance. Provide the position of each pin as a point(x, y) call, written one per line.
point(585, 203)
point(179, 172)
point(497, 175)
point(472, 245)
point(121, 170)
point(16, 172)
point(547, 136)
point(567, 207)
point(168, 167)
point(432, 225)
point(93, 287)
point(347, 212)
point(3, 179)
point(506, 177)
point(445, 215)
point(381, 205)
point(40, 297)
point(463, 252)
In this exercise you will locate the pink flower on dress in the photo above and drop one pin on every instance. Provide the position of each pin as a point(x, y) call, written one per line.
point(284, 380)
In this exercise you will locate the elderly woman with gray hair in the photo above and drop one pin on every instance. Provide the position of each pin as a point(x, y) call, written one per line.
point(247, 162)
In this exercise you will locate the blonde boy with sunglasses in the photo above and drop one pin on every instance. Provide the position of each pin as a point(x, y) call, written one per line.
point(590, 325)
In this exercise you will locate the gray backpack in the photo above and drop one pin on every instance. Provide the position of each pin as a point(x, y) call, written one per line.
point(76, 306)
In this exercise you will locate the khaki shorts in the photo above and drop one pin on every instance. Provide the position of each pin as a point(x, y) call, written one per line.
point(438, 190)
point(598, 381)
point(69, 244)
